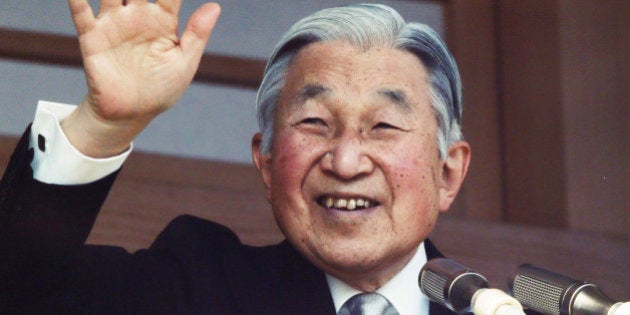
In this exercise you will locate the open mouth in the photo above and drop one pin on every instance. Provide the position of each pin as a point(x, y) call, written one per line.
point(346, 204)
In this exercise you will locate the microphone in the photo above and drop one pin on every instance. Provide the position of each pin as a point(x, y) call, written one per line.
point(461, 290)
point(550, 293)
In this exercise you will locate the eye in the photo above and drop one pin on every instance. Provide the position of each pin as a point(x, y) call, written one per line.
point(384, 125)
point(313, 121)
point(312, 125)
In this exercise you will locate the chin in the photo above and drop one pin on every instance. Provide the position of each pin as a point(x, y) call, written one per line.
point(350, 257)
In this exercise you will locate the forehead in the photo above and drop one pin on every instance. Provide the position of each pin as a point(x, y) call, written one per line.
point(340, 67)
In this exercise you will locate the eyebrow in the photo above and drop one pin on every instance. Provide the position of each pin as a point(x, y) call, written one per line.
point(310, 91)
point(397, 97)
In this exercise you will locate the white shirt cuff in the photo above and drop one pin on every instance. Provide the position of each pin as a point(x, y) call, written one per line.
point(55, 160)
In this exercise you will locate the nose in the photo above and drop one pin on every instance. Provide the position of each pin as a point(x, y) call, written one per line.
point(348, 158)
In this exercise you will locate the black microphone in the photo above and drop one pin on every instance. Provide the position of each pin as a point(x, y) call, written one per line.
point(461, 290)
point(550, 293)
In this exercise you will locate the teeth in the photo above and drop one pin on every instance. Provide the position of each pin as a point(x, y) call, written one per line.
point(349, 204)
point(352, 204)
point(329, 202)
point(341, 203)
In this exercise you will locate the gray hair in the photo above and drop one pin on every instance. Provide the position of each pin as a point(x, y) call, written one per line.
point(366, 26)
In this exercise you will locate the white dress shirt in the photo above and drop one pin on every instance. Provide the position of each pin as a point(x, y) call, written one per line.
point(402, 290)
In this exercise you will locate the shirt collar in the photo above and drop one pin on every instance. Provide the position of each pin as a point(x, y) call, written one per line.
point(402, 290)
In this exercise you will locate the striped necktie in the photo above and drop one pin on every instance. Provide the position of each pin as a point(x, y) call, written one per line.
point(367, 304)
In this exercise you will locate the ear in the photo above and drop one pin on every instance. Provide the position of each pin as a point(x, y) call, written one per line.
point(454, 170)
point(262, 163)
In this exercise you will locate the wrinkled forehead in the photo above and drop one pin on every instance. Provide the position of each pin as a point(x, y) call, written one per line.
point(324, 68)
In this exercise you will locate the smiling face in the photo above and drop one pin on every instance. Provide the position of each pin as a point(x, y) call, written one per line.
point(354, 175)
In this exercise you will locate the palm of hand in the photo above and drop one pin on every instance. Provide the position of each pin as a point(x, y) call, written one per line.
point(133, 62)
point(136, 67)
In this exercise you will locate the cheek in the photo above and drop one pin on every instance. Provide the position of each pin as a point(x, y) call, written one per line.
point(293, 157)
point(411, 169)
point(413, 180)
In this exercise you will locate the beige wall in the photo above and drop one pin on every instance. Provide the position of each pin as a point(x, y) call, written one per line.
point(532, 112)
point(546, 111)
point(470, 36)
point(595, 51)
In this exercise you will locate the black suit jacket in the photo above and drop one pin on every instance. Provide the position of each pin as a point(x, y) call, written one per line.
point(194, 266)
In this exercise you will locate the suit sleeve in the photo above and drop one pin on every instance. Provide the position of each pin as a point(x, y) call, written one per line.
point(45, 267)
point(42, 226)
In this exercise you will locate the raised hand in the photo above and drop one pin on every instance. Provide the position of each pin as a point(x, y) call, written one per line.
point(136, 67)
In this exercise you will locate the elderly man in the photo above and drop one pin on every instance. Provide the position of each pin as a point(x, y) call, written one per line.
point(360, 150)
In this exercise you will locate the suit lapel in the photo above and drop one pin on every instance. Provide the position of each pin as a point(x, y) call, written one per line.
point(277, 280)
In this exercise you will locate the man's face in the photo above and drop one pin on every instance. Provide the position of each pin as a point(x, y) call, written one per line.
point(354, 175)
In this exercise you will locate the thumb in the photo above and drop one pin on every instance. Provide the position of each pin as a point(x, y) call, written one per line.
point(198, 30)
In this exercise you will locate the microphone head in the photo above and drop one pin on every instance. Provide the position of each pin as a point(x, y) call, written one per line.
point(547, 292)
point(446, 282)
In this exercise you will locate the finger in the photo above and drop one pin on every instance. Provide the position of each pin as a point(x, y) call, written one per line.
point(171, 6)
point(198, 30)
point(107, 5)
point(82, 15)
